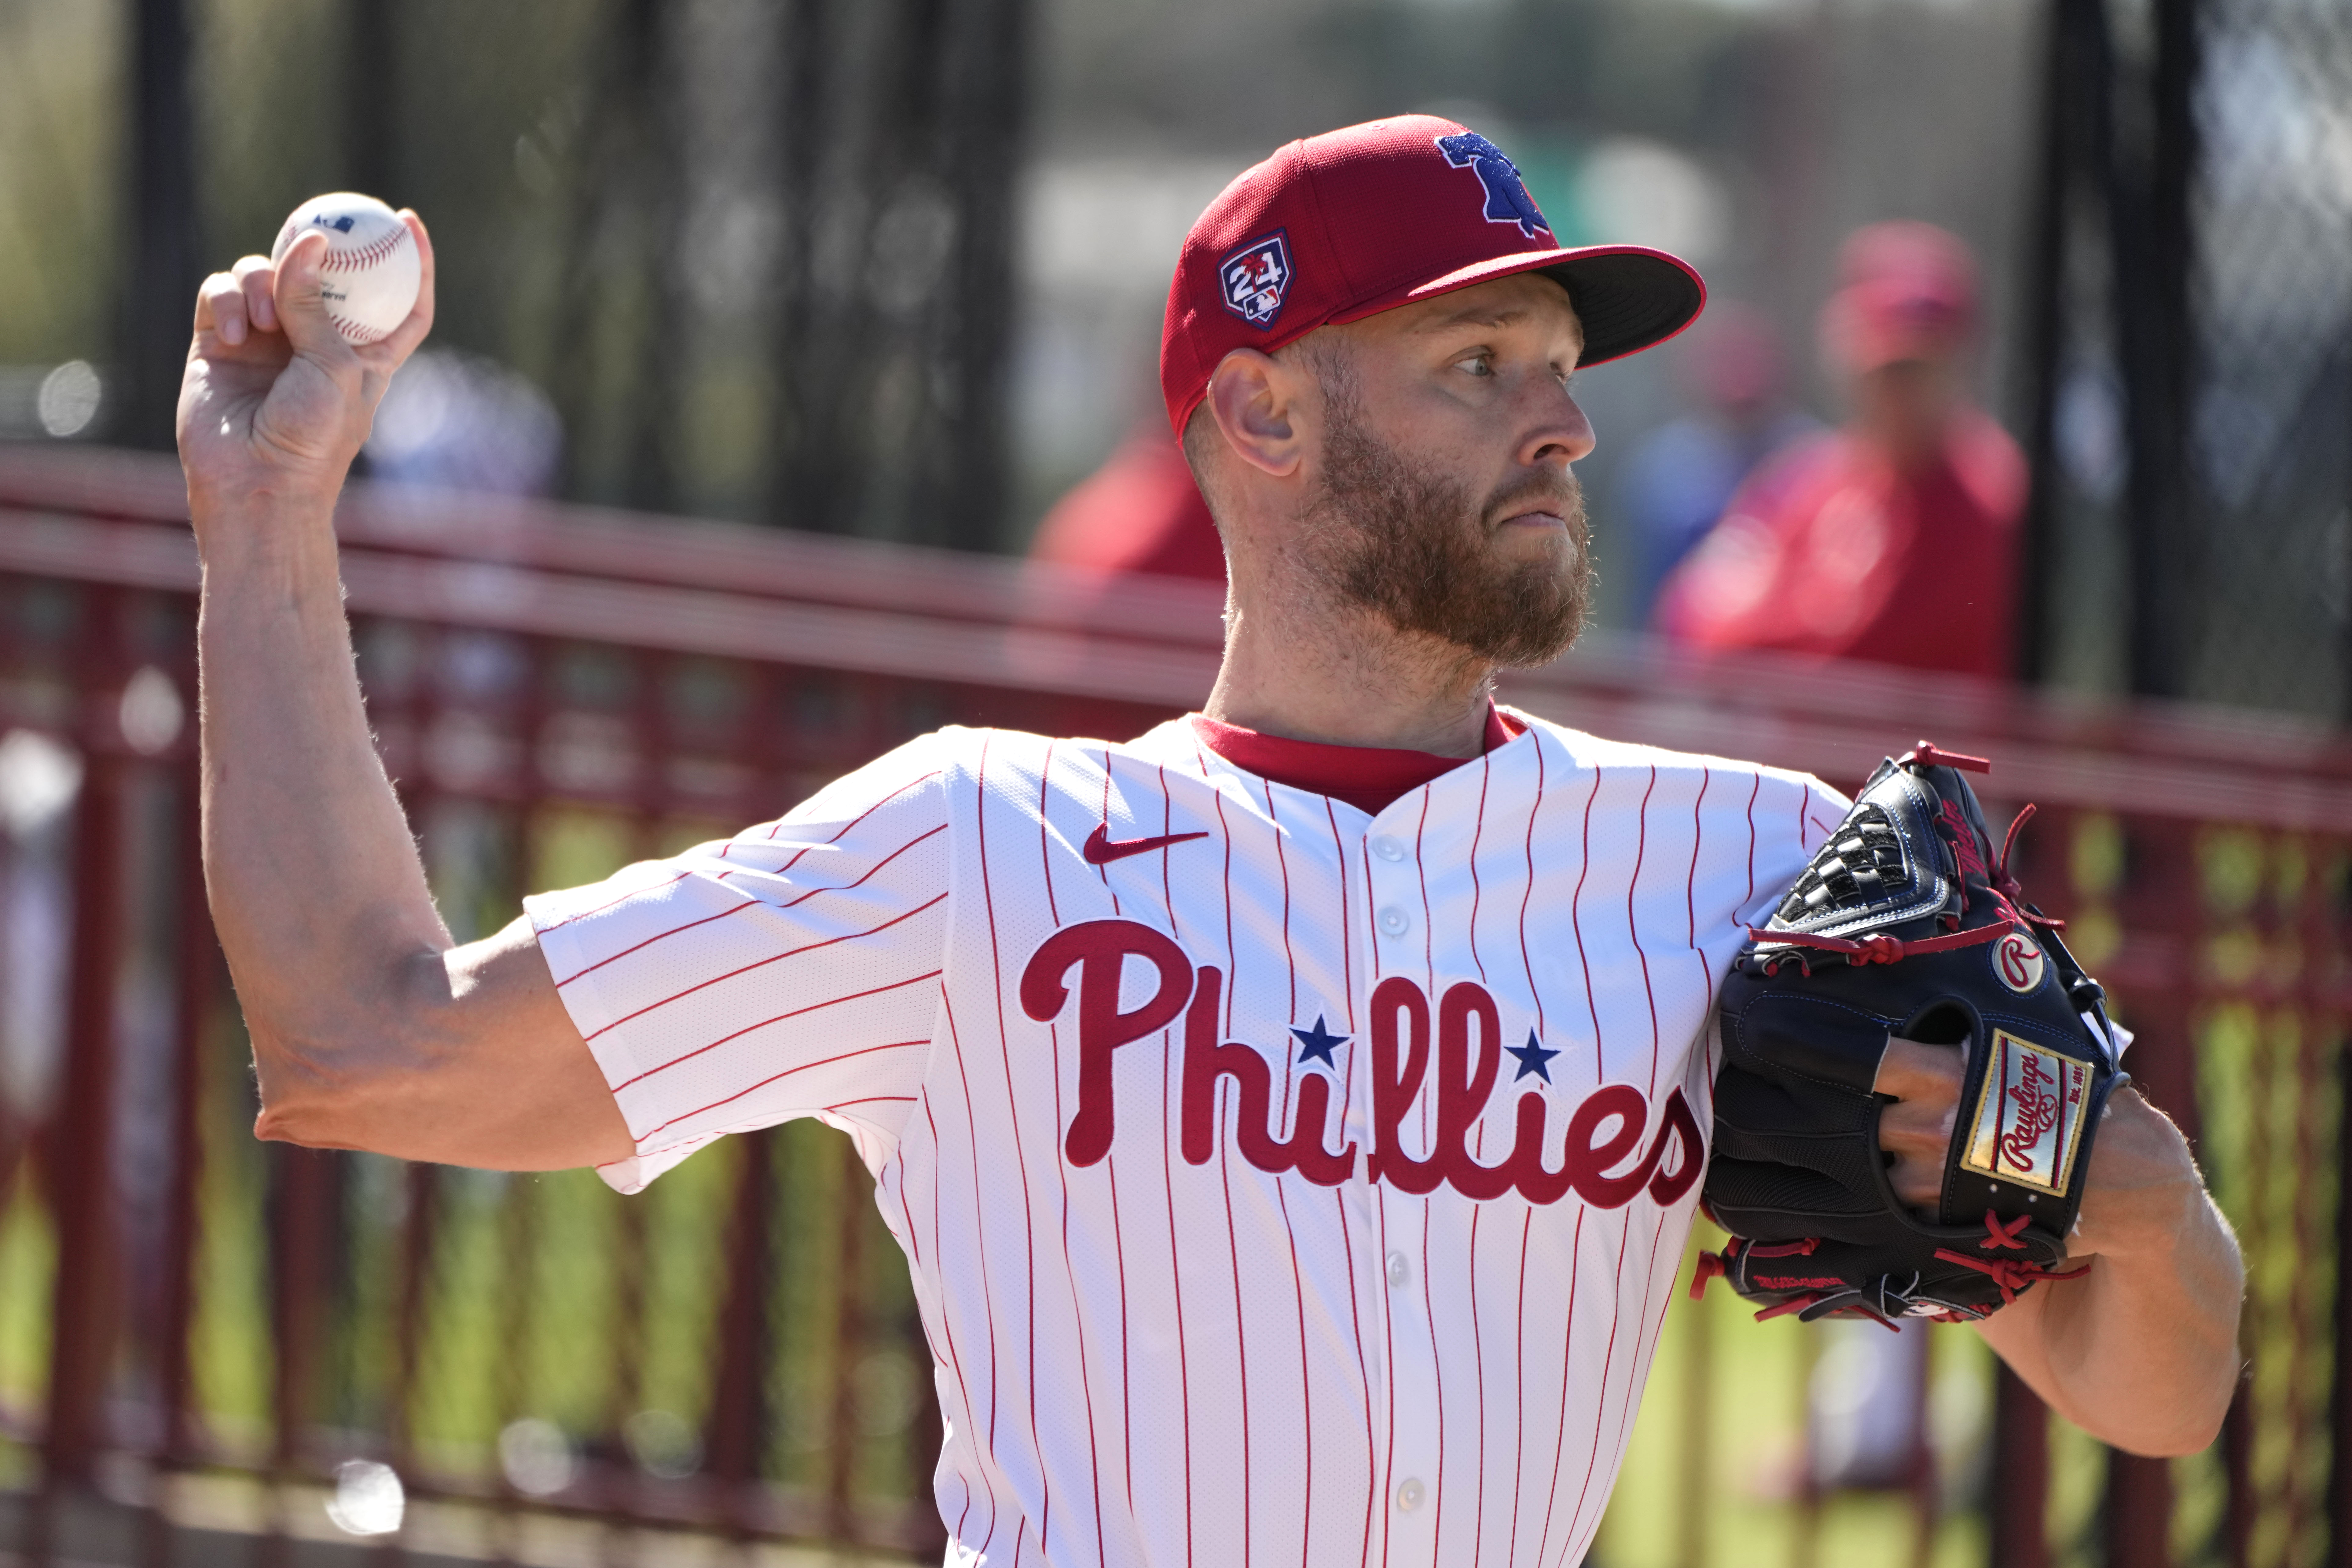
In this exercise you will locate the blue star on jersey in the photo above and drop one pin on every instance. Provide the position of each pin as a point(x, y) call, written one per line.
point(1508, 201)
point(1319, 1042)
point(1533, 1058)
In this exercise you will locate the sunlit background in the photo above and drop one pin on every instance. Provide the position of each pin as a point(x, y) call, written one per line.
point(892, 271)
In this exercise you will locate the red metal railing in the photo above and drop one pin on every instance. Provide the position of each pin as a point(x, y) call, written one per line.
point(214, 1326)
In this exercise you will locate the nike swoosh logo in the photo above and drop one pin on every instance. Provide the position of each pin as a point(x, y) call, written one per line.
point(1101, 849)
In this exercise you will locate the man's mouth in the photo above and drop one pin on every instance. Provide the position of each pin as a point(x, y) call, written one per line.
point(1537, 507)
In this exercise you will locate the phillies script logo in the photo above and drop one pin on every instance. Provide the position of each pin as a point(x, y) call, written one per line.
point(1604, 1131)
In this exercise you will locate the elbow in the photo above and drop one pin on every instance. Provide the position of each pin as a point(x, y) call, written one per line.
point(2187, 1425)
point(309, 1121)
point(317, 1093)
point(334, 1063)
point(2175, 1440)
point(305, 1127)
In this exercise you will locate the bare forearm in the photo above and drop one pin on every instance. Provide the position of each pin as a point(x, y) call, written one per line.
point(2141, 1352)
point(316, 887)
point(370, 1029)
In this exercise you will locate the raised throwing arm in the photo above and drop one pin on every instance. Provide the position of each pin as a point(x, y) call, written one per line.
point(370, 1028)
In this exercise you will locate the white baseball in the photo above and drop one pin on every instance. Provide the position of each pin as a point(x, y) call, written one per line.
point(371, 272)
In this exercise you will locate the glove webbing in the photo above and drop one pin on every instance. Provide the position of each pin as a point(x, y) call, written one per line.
point(1877, 947)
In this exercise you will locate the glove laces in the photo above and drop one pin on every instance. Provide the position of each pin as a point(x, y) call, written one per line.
point(2012, 1274)
point(1877, 947)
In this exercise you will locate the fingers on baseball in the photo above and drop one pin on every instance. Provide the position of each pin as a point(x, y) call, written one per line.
point(301, 311)
point(403, 339)
point(255, 280)
point(221, 308)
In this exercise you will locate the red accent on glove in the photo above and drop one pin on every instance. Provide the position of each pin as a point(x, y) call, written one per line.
point(1927, 754)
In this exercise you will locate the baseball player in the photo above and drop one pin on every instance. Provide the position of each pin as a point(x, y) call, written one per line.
point(1292, 1116)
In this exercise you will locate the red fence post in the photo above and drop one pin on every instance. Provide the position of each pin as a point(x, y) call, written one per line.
point(418, 1232)
point(198, 956)
point(308, 1187)
point(848, 1345)
point(2166, 896)
point(2021, 1474)
point(738, 1388)
point(81, 1144)
point(2139, 1511)
point(621, 1496)
point(2339, 1458)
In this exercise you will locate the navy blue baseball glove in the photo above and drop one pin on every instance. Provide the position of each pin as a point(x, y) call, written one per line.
point(1905, 923)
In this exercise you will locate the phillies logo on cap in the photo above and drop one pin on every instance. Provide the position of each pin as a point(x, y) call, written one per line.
point(1508, 201)
point(1255, 277)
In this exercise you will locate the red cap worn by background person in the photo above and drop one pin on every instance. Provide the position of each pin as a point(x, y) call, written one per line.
point(1346, 224)
point(1906, 291)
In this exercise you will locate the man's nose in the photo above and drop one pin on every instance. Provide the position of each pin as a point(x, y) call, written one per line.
point(1557, 431)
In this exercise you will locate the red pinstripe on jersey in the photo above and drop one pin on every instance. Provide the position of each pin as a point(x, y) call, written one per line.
point(1576, 928)
point(680, 995)
point(684, 1057)
point(787, 1072)
point(1146, 1356)
point(740, 908)
point(1633, 928)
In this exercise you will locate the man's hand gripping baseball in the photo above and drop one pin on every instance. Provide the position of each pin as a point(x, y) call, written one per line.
point(370, 1028)
point(275, 403)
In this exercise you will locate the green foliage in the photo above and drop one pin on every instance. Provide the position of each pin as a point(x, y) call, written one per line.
point(28, 1267)
point(59, 194)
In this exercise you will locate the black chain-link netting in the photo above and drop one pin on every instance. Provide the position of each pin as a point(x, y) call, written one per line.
point(2272, 304)
point(2200, 375)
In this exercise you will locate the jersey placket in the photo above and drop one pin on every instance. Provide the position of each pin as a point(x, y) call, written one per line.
point(1407, 1342)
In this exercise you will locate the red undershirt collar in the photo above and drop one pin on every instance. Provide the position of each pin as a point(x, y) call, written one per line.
point(1369, 777)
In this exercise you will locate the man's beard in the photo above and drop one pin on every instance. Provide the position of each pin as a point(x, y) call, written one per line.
point(1408, 544)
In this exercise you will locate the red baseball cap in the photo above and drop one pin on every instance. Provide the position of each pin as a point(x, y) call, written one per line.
point(1346, 224)
point(1907, 291)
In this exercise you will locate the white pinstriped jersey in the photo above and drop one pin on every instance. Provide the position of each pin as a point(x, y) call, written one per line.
point(1282, 1184)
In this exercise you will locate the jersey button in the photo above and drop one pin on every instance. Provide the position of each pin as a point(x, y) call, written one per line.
point(1409, 1494)
point(1399, 1270)
point(1394, 921)
point(1388, 849)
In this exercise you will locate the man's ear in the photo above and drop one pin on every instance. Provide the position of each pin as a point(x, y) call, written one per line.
point(1258, 402)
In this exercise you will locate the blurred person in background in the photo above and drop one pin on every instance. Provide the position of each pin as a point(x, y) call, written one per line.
point(1140, 512)
point(1894, 539)
point(1678, 480)
point(461, 422)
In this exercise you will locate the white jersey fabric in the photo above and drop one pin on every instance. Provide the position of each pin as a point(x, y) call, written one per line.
point(1282, 1184)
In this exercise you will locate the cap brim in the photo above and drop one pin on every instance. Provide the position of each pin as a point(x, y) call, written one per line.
point(1628, 298)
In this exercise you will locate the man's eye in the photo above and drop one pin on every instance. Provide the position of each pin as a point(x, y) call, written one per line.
point(1478, 364)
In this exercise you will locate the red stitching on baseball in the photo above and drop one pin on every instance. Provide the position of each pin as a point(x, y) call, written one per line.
point(366, 256)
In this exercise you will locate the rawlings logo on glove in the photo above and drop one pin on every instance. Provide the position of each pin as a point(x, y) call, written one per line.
point(1906, 922)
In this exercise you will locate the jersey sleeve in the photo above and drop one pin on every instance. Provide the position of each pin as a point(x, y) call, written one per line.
point(792, 970)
